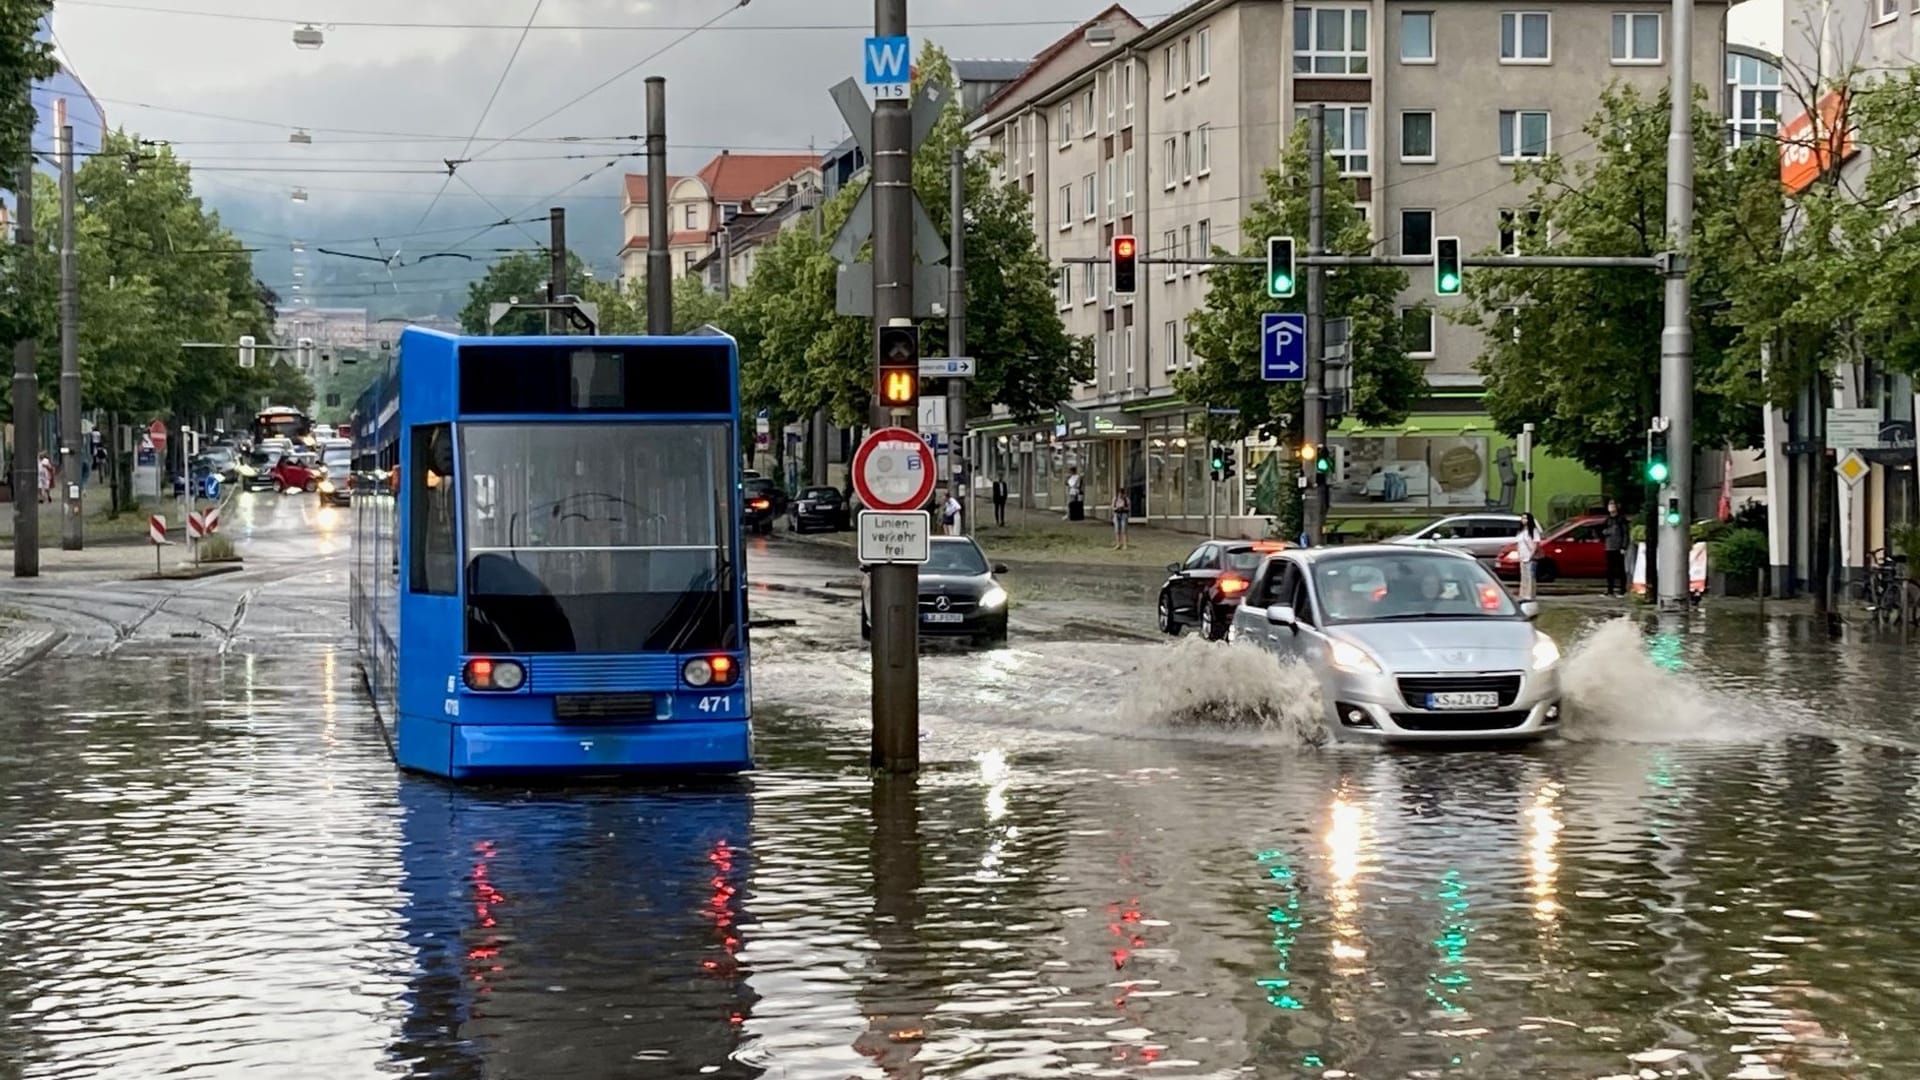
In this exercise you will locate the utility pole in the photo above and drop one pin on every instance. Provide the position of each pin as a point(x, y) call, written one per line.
point(726, 262)
point(26, 406)
point(72, 448)
point(659, 262)
point(557, 276)
point(817, 435)
point(895, 617)
point(1314, 403)
point(957, 339)
point(1676, 337)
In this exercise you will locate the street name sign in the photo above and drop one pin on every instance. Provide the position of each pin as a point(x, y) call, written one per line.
point(946, 367)
point(893, 470)
point(1283, 347)
point(895, 536)
point(888, 71)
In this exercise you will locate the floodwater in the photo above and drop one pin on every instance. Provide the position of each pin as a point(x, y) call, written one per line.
point(212, 869)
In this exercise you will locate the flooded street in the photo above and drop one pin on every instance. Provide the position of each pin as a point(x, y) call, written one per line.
point(212, 867)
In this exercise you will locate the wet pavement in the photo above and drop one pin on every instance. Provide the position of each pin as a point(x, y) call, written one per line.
point(212, 868)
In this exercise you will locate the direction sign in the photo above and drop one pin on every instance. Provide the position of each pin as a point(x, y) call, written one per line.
point(1849, 429)
point(895, 536)
point(1853, 468)
point(893, 470)
point(946, 367)
point(1283, 347)
point(889, 68)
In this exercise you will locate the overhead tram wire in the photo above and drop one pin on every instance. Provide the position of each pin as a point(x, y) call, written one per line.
point(454, 164)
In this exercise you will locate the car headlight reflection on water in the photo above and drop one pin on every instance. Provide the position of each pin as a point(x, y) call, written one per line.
point(1545, 652)
point(994, 597)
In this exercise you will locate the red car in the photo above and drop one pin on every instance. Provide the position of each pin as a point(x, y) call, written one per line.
point(291, 473)
point(1574, 548)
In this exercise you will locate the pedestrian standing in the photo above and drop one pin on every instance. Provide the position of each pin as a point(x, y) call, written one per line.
point(1076, 505)
point(1120, 509)
point(46, 478)
point(1527, 552)
point(1000, 500)
point(950, 515)
point(1616, 532)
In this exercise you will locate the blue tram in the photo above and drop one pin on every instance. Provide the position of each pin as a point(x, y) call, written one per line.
point(547, 573)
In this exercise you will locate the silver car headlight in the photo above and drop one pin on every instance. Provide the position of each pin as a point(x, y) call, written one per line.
point(993, 598)
point(1545, 652)
point(1350, 657)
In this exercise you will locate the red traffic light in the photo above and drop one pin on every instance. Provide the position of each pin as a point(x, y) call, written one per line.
point(1123, 247)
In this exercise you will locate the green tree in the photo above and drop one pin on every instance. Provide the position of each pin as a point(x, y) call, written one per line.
point(1225, 333)
point(24, 60)
point(1577, 352)
point(520, 276)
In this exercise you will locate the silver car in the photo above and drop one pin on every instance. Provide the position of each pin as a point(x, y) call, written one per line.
point(1483, 535)
point(1409, 643)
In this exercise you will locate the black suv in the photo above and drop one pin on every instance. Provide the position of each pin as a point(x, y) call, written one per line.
point(761, 501)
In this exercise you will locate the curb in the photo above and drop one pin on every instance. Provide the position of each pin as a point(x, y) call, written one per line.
point(33, 654)
point(193, 574)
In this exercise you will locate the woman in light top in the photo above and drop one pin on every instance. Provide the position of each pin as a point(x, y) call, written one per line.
point(1526, 550)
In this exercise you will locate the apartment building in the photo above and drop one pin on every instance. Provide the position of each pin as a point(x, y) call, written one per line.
point(703, 203)
point(1428, 107)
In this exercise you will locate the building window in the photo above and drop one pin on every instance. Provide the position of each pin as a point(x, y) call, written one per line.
point(1111, 355)
point(1066, 207)
point(1126, 89)
point(1510, 234)
point(1126, 167)
point(729, 211)
point(1636, 37)
point(1089, 197)
point(1205, 240)
point(1186, 156)
point(693, 216)
point(1066, 286)
point(1167, 240)
point(1753, 99)
point(1172, 81)
point(1416, 135)
point(1185, 350)
point(1186, 249)
point(1171, 345)
point(1416, 232)
point(1186, 63)
point(1203, 45)
point(1204, 136)
point(1889, 9)
point(1066, 124)
point(1329, 41)
point(1172, 171)
point(1112, 188)
point(1087, 104)
point(433, 559)
point(1126, 336)
point(1416, 327)
point(1093, 284)
point(1346, 136)
point(1524, 37)
point(1416, 37)
point(1523, 135)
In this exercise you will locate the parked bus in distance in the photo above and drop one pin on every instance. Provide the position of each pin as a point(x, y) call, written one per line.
point(548, 572)
point(282, 422)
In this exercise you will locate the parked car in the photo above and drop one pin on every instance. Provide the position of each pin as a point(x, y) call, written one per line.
point(1484, 536)
point(1407, 643)
point(1204, 590)
point(819, 508)
point(336, 477)
point(958, 594)
point(761, 501)
point(1575, 548)
point(296, 472)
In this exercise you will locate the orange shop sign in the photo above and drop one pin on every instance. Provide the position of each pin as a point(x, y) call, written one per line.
point(1815, 142)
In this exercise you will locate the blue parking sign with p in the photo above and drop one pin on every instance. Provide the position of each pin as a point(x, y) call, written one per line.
point(889, 64)
point(1283, 347)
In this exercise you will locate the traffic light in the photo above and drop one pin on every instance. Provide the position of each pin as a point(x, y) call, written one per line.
point(898, 374)
point(1226, 463)
point(1279, 267)
point(1323, 462)
point(1126, 255)
point(1446, 266)
point(1216, 461)
point(1673, 511)
point(1657, 468)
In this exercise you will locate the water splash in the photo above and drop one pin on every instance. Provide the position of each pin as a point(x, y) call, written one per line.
point(1618, 690)
point(1196, 686)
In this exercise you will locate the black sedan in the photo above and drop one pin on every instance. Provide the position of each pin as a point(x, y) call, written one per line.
point(1204, 590)
point(958, 595)
point(819, 508)
point(761, 502)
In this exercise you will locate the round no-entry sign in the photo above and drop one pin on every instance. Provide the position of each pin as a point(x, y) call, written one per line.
point(893, 470)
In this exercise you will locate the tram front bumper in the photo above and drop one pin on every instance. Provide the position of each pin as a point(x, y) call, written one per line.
point(504, 749)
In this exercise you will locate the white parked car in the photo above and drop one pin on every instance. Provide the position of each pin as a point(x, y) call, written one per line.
point(1409, 643)
point(1482, 535)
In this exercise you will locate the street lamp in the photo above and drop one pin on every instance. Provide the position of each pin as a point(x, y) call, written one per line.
point(309, 37)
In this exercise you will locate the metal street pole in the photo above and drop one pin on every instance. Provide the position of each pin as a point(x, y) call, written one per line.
point(72, 449)
point(1313, 514)
point(557, 274)
point(957, 339)
point(26, 406)
point(659, 261)
point(1676, 337)
point(726, 262)
point(896, 586)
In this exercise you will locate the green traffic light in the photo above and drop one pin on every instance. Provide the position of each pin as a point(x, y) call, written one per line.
point(1657, 471)
point(1282, 284)
point(1449, 283)
point(1673, 517)
point(1321, 464)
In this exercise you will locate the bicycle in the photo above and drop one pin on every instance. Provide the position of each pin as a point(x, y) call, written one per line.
point(1890, 595)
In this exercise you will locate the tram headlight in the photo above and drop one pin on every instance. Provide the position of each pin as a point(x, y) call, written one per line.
point(704, 671)
point(484, 674)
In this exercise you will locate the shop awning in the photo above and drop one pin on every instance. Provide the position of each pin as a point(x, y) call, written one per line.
point(1074, 423)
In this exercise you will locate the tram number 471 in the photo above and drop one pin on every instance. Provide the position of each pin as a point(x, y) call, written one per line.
point(716, 703)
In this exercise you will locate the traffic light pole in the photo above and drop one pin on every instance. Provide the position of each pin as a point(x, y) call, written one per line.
point(1676, 337)
point(26, 404)
point(895, 615)
point(1313, 513)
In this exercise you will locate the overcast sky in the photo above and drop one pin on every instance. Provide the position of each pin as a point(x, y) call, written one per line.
point(739, 83)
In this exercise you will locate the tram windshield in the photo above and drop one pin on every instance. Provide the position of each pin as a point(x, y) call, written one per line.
point(598, 537)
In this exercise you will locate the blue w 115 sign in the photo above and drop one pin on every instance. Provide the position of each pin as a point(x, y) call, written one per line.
point(1283, 347)
point(889, 67)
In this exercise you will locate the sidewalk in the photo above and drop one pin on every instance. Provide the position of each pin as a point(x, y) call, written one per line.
point(23, 641)
point(96, 528)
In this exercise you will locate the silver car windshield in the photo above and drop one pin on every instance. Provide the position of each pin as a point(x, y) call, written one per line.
point(1373, 587)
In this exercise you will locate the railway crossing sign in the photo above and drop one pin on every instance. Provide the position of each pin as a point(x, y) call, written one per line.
point(893, 470)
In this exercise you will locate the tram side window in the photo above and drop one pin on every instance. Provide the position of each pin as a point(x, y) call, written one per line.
point(435, 565)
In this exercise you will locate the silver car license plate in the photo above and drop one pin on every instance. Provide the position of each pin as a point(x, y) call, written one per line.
point(1477, 700)
point(944, 616)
